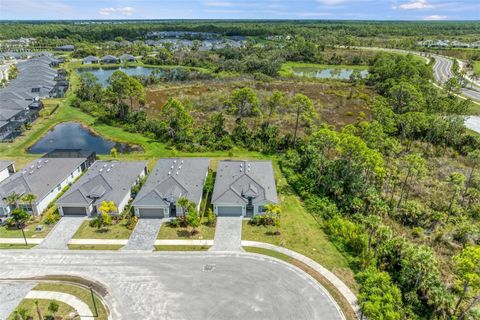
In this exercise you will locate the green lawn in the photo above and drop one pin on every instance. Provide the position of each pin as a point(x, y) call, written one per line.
point(79, 292)
point(299, 231)
point(29, 230)
point(476, 67)
point(16, 246)
point(288, 68)
point(116, 231)
point(94, 247)
point(168, 232)
point(31, 309)
point(181, 248)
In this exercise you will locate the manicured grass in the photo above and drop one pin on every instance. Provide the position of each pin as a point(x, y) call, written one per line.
point(29, 230)
point(181, 248)
point(94, 247)
point(29, 305)
point(287, 68)
point(116, 231)
point(16, 246)
point(341, 301)
point(476, 67)
point(79, 292)
point(168, 232)
point(299, 231)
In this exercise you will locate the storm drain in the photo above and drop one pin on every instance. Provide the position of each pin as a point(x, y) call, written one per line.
point(208, 267)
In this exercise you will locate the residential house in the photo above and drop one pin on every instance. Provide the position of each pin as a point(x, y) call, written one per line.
point(91, 60)
point(126, 58)
point(44, 178)
point(109, 59)
point(243, 188)
point(109, 181)
point(7, 168)
point(170, 180)
point(67, 47)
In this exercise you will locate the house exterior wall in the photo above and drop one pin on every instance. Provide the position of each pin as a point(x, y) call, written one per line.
point(4, 174)
point(42, 204)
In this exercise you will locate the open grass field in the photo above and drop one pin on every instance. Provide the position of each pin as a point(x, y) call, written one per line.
point(115, 231)
point(289, 67)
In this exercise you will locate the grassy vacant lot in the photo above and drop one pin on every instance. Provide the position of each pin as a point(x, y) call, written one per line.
point(168, 232)
point(182, 248)
point(31, 309)
point(302, 233)
point(94, 247)
point(116, 231)
point(476, 67)
point(79, 292)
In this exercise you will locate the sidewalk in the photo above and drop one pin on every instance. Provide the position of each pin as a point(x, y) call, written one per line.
point(81, 307)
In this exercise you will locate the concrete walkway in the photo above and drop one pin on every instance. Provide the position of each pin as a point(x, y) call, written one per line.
point(61, 234)
point(144, 235)
point(333, 279)
point(11, 294)
point(228, 234)
point(81, 307)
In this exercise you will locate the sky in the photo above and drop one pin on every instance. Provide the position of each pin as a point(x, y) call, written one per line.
point(240, 9)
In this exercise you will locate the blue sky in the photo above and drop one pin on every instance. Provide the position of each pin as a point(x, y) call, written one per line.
point(241, 9)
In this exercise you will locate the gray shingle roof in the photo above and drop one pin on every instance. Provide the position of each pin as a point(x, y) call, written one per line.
point(5, 164)
point(90, 59)
point(172, 179)
point(237, 180)
point(104, 181)
point(39, 177)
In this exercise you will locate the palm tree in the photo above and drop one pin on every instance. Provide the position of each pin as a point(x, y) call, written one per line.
point(39, 312)
point(12, 199)
point(30, 199)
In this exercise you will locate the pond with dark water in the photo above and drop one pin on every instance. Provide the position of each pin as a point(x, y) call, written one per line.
point(73, 135)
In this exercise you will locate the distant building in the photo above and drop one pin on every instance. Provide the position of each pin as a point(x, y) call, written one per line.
point(126, 58)
point(91, 60)
point(67, 47)
point(109, 59)
point(7, 168)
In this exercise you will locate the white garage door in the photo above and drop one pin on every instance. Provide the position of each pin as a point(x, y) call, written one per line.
point(74, 211)
point(224, 211)
point(151, 212)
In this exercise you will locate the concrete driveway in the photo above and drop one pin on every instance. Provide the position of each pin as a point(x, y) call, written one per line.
point(144, 235)
point(185, 285)
point(62, 233)
point(228, 234)
point(11, 294)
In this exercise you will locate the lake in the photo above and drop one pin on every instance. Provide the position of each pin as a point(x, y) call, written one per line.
point(104, 73)
point(73, 135)
point(330, 73)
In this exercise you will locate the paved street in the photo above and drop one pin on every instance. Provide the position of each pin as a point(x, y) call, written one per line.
point(62, 233)
point(144, 235)
point(11, 294)
point(228, 234)
point(203, 285)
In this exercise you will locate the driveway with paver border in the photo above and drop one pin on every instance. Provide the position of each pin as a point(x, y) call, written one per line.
point(228, 234)
point(186, 285)
point(61, 234)
point(144, 235)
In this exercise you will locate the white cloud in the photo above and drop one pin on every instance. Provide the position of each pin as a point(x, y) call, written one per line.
point(415, 5)
point(125, 11)
point(435, 17)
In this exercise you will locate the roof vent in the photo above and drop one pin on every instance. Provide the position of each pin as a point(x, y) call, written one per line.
point(174, 161)
point(39, 166)
point(169, 172)
point(171, 167)
point(31, 172)
point(176, 173)
point(181, 161)
point(105, 165)
point(179, 167)
point(108, 170)
point(46, 161)
point(100, 170)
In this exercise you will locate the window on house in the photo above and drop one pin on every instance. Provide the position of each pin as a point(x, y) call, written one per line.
point(35, 89)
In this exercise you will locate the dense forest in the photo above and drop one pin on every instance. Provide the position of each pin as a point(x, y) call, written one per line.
point(394, 33)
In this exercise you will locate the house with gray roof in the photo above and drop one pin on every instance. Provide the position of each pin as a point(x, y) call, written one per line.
point(170, 180)
point(45, 178)
point(126, 58)
point(7, 168)
point(91, 60)
point(243, 188)
point(109, 59)
point(67, 47)
point(110, 181)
